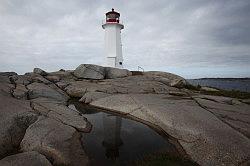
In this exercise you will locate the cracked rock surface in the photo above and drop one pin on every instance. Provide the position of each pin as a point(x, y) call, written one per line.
point(35, 121)
point(36, 126)
point(54, 139)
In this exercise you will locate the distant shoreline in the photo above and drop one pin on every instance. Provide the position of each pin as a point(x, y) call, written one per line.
point(233, 79)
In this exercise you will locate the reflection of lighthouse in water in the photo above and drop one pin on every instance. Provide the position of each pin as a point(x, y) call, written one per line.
point(112, 139)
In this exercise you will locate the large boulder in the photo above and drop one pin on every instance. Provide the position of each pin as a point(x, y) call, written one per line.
point(31, 158)
point(57, 141)
point(39, 71)
point(90, 71)
point(111, 72)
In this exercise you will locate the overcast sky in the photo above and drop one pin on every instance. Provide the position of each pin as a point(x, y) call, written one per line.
point(192, 38)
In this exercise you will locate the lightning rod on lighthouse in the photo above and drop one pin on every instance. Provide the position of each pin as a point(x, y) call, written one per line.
point(113, 45)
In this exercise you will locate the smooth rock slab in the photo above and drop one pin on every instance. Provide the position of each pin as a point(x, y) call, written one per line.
point(236, 114)
point(92, 96)
point(204, 137)
point(58, 142)
point(31, 158)
point(126, 85)
point(79, 88)
point(48, 91)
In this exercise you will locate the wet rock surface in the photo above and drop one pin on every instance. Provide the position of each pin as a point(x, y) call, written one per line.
point(212, 130)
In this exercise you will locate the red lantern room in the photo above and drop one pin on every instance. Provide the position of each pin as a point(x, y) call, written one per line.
point(112, 17)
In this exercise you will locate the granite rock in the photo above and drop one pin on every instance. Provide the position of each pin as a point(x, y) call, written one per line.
point(89, 71)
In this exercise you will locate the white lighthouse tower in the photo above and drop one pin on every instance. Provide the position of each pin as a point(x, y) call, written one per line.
point(113, 45)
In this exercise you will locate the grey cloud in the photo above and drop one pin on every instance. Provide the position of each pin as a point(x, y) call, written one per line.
point(158, 35)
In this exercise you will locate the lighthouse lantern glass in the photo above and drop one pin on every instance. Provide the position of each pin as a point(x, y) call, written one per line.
point(112, 17)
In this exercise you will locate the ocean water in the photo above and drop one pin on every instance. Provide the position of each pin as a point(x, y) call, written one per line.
point(226, 84)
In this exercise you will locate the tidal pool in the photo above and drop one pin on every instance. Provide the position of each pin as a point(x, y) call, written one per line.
point(115, 140)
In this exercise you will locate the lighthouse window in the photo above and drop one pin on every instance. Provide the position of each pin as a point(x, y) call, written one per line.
point(120, 63)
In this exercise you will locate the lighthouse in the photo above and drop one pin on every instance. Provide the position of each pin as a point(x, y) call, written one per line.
point(113, 45)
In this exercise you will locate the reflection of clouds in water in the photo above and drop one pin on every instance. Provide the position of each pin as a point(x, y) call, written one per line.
point(127, 130)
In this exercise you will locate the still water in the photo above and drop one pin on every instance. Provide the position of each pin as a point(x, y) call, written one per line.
point(115, 140)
